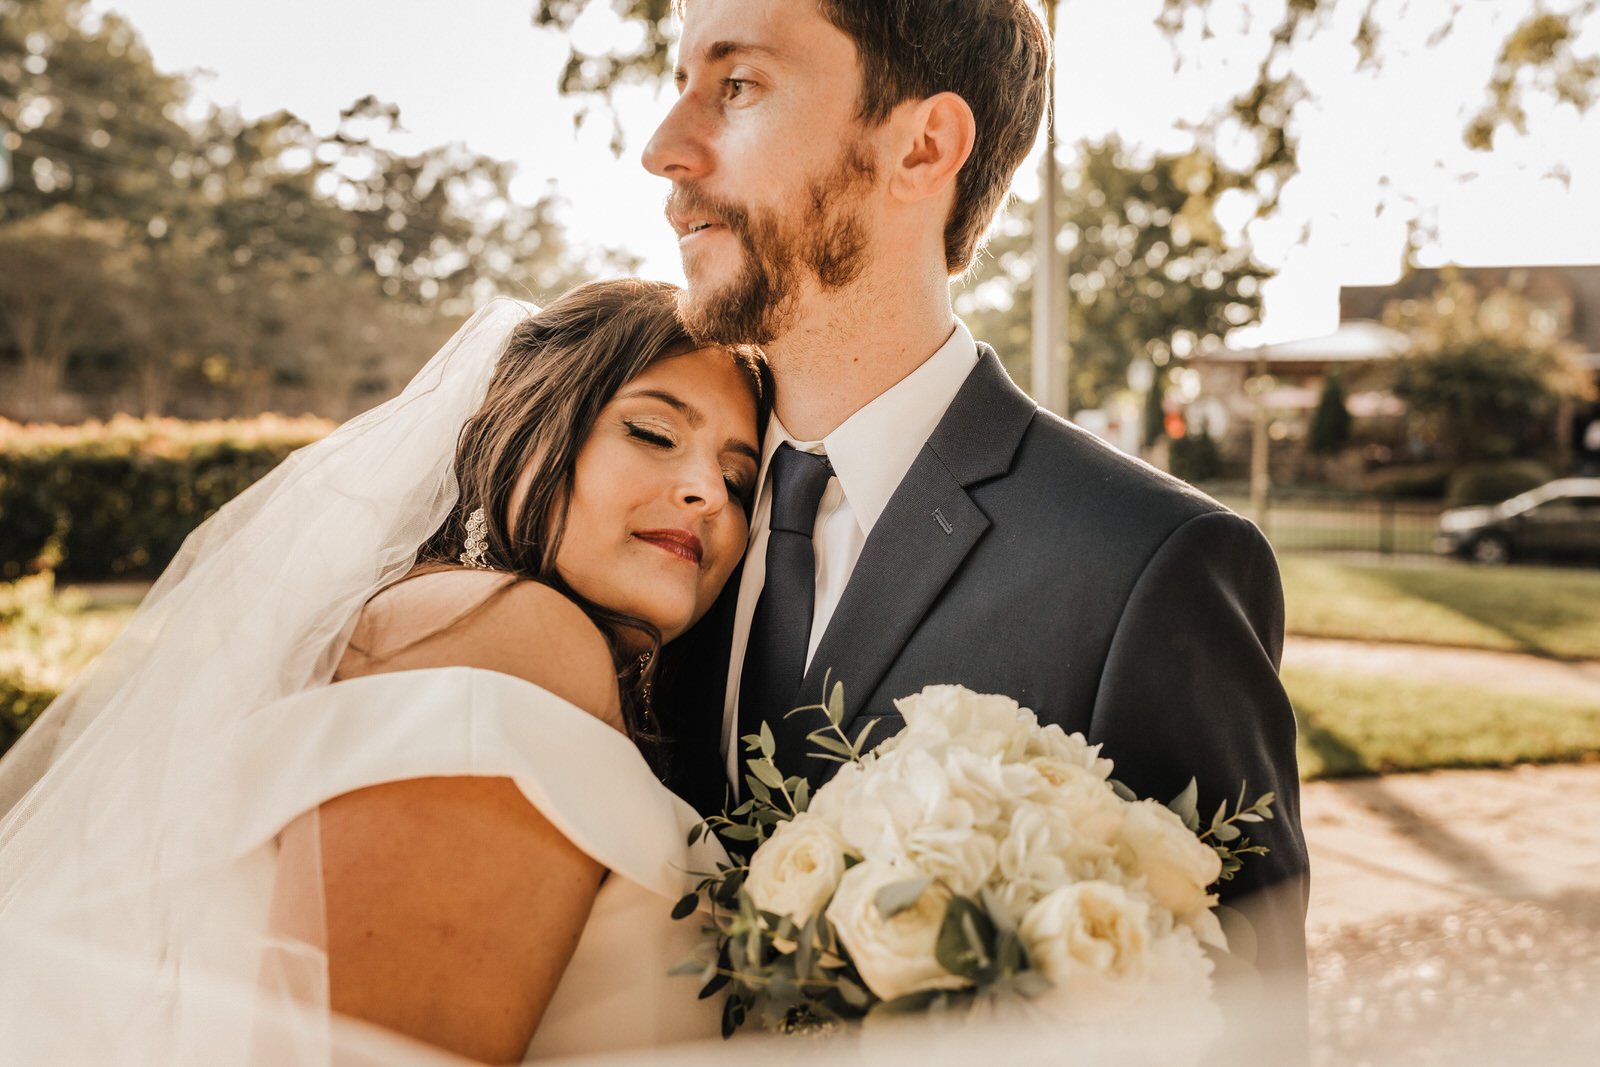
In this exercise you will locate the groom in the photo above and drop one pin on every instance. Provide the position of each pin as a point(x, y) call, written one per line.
point(833, 164)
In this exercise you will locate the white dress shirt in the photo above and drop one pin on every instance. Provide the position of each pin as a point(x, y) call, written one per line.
point(871, 452)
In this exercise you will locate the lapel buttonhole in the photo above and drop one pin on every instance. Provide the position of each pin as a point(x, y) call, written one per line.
point(944, 523)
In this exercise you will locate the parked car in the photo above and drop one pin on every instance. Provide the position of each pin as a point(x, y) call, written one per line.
point(1558, 520)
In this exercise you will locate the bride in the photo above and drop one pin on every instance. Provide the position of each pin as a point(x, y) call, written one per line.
point(380, 743)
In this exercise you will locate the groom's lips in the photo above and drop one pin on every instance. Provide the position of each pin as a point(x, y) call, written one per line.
point(681, 543)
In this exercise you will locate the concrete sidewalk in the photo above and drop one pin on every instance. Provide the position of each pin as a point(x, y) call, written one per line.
point(1454, 912)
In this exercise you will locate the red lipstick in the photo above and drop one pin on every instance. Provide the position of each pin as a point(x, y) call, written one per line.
point(680, 543)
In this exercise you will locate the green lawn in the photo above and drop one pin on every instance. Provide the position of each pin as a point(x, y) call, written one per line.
point(1354, 724)
point(1546, 611)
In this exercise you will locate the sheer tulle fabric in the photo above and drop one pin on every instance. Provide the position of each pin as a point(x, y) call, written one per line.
point(140, 916)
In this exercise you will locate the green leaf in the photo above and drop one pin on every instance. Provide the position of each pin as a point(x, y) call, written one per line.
point(1183, 805)
point(896, 897)
point(769, 746)
point(1222, 814)
point(1226, 832)
point(805, 954)
point(740, 833)
point(685, 906)
point(769, 774)
point(715, 984)
point(688, 966)
point(757, 789)
point(861, 738)
point(822, 740)
point(836, 704)
point(853, 994)
point(802, 795)
point(696, 832)
point(966, 941)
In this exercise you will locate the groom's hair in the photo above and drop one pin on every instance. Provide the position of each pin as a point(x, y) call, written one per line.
point(994, 54)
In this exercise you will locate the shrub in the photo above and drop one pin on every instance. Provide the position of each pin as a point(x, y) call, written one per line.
point(114, 500)
point(1330, 423)
point(1426, 481)
point(1194, 458)
point(46, 638)
point(1484, 483)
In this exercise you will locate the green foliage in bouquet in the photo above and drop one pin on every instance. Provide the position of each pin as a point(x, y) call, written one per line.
point(799, 974)
point(115, 500)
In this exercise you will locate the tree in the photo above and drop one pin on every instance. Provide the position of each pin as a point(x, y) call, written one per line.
point(252, 256)
point(60, 286)
point(1330, 423)
point(1483, 380)
point(89, 120)
point(1150, 274)
point(1538, 58)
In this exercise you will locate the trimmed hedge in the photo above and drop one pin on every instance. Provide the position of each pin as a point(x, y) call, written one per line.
point(1486, 483)
point(115, 500)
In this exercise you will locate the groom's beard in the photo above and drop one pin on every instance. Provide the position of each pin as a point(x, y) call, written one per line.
point(827, 239)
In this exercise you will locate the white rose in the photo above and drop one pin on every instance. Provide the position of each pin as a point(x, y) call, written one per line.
point(1043, 850)
point(1177, 867)
point(1093, 940)
point(1054, 743)
point(986, 723)
point(796, 870)
point(895, 956)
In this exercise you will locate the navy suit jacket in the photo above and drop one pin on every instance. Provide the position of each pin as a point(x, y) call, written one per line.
point(1022, 555)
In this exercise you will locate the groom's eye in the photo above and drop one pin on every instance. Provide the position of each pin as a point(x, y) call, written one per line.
point(735, 86)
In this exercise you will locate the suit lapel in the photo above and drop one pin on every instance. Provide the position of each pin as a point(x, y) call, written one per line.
point(922, 537)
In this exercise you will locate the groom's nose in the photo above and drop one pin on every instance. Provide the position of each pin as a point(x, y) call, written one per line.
point(677, 150)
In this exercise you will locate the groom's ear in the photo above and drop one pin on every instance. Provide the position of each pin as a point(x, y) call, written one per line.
point(934, 137)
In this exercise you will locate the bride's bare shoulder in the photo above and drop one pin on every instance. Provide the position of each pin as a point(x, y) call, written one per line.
point(490, 620)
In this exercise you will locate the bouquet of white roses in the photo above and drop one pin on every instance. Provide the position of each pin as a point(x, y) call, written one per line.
point(974, 853)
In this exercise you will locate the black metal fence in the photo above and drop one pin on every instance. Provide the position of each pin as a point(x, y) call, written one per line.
point(1299, 520)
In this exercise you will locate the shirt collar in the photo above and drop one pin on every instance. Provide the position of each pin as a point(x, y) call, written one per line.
point(872, 450)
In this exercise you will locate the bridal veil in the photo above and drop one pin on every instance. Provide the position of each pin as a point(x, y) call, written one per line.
point(110, 869)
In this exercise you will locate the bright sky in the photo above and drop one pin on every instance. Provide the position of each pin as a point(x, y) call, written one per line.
point(476, 71)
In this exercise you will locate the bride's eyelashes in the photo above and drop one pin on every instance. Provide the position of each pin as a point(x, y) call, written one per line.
point(651, 437)
point(738, 489)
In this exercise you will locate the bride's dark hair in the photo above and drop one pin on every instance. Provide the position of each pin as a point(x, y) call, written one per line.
point(558, 371)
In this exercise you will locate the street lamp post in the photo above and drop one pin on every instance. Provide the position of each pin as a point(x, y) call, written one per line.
point(1049, 330)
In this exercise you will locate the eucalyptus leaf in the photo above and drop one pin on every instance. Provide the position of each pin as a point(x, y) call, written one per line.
point(688, 966)
point(717, 983)
point(852, 993)
point(1122, 791)
point(1183, 805)
point(767, 772)
point(866, 732)
point(831, 744)
point(1226, 832)
point(758, 789)
point(802, 795)
point(805, 952)
point(836, 704)
point(686, 905)
point(896, 897)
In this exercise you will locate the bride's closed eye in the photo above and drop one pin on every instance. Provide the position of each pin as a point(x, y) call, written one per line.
point(648, 436)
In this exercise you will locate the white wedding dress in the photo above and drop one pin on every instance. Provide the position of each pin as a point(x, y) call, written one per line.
point(286, 759)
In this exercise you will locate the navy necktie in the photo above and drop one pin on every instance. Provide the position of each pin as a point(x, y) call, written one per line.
point(780, 630)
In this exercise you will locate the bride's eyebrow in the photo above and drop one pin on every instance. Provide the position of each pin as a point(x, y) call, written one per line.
point(690, 413)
